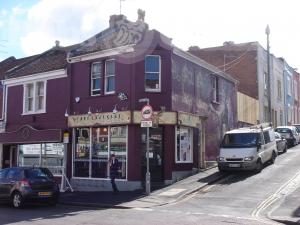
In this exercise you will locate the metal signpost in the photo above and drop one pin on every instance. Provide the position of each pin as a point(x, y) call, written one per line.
point(146, 121)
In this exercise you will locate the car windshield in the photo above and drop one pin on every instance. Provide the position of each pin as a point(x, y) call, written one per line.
point(38, 173)
point(283, 130)
point(239, 140)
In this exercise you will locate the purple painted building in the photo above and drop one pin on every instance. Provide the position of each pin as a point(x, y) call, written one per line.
point(194, 104)
point(92, 95)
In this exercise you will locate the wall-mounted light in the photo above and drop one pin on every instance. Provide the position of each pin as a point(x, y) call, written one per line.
point(89, 112)
point(115, 110)
point(66, 113)
point(77, 99)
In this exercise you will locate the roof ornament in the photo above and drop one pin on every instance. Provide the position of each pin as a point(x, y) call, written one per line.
point(57, 43)
point(141, 15)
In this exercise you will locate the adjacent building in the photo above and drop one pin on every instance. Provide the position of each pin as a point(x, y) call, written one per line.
point(247, 62)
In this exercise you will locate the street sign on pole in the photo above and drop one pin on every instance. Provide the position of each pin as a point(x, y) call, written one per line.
point(146, 123)
point(146, 114)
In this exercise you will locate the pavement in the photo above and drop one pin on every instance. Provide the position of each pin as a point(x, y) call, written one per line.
point(138, 199)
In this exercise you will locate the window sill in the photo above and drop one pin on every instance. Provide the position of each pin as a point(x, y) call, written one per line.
point(215, 102)
point(184, 162)
point(153, 91)
point(33, 113)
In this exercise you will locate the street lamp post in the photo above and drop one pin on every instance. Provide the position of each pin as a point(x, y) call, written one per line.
point(269, 78)
point(147, 178)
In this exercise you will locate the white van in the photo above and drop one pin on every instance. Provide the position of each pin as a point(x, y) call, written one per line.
point(247, 148)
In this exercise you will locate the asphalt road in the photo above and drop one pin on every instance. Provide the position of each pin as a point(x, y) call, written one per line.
point(270, 197)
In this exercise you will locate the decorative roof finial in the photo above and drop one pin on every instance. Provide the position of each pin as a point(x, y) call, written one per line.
point(141, 15)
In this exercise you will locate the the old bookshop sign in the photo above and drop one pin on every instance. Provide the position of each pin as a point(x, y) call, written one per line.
point(100, 119)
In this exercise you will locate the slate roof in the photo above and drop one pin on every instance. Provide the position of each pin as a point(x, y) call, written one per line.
point(53, 59)
point(11, 63)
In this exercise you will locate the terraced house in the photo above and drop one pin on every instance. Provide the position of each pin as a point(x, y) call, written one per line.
point(70, 108)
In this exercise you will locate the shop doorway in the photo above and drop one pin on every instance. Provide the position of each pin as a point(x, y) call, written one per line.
point(9, 156)
point(156, 153)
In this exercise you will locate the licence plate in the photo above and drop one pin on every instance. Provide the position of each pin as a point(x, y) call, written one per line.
point(234, 165)
point(45, 193)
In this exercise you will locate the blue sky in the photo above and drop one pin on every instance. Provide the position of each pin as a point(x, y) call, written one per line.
point(11, 10)
point(29, 27)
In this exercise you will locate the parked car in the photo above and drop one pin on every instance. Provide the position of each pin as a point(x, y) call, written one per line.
point(19, 185)
point(281, 143)
point(297, 127)
point(247, 148)
point(290, 134)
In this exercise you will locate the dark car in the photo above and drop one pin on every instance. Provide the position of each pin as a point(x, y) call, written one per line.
point(281, 143)
point(19, 185)
point(289, 133)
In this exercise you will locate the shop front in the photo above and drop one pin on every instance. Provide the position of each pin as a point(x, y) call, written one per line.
point(28, 146)
point(98, 135)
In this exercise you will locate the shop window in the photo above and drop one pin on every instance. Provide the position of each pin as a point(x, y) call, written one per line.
point(96, 72)
point(184, 149)
point(152, 73)
point(104, 141)
point(49, 155)
point(118, 146)
point(34, 97)
point(110, 76)
point(100, 154)
point(82, 153)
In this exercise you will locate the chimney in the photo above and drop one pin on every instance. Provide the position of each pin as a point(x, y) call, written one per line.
point(57, 44)
point(114, 19)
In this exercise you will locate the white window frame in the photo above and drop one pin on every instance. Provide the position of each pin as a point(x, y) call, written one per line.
point(35, 96)
point(191, 144)
point(92, 79)
point(159, 73)
point(108, 76)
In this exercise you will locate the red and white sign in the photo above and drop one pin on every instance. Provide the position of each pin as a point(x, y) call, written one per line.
point(147, 112)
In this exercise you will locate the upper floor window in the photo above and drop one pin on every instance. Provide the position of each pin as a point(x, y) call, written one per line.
point(279, 96)
point(110, 76)
point(96, 73)
point(34, 97)
point(152, 73)
point(266, 82)
point(289, 86)
point(215, 87)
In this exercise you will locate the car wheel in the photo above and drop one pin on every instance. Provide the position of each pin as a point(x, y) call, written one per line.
point(259, 166)
point(17, 200)
point(272, 160)
point(285, 148)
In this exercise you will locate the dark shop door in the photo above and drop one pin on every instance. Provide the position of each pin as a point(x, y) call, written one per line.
point(156, 150)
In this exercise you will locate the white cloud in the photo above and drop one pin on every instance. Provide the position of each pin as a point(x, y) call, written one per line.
point(3, 12)
point(18, 10)
point(192, 22)
point(1, 23)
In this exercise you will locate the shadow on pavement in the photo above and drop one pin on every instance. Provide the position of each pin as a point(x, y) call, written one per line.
point(99, 199)
point(37, 212)
point(288, 222)
point(233, 176)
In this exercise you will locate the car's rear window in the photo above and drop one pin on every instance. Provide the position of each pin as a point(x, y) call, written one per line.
point(283, 130)
point(38, 173)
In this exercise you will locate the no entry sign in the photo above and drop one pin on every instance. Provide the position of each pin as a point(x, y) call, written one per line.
point(147, 112)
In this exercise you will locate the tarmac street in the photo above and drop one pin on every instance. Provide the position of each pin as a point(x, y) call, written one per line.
point(270, 197)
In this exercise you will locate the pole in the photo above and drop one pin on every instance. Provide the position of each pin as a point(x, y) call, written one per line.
point(148, 176)
point(148, 188)
point(269, 74)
